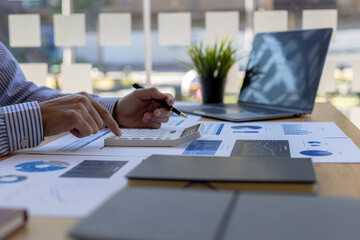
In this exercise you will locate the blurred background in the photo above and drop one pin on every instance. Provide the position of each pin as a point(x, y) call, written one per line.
point(114, 67)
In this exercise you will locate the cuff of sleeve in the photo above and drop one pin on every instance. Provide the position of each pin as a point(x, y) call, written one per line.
point(108, 103)
point(24, 125)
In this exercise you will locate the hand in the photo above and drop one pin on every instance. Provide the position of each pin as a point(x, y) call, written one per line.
point(77, 113)
point(138, 110)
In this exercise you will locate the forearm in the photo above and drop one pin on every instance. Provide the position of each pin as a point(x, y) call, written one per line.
point(15, 89)
point(20, 127)
point(41, 94)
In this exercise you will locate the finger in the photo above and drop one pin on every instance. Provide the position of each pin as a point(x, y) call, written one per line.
point(108, 119)
point(169, 99)
point(74, 132)
point(153, 124)
point(82, 127)
point(90, 120)
point(160, 119)
point(96, 117)
point(154, 93)
point(105, 115)
point(162, 112)
point(85, 110)
point(149, 117)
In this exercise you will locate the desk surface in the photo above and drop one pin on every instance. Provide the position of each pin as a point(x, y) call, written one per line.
point(333, 179)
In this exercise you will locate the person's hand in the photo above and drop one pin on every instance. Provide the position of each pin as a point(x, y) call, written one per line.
point(138, 110)
point(77, 113)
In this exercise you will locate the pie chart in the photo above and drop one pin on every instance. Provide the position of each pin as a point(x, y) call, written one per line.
point(11, 178)
point(315, 153)
point(252, 127)
point(41, 166)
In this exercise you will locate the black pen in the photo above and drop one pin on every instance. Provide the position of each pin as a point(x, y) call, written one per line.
point(162, 102)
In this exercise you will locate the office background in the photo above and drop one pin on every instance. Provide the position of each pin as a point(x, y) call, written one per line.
point(37, 31)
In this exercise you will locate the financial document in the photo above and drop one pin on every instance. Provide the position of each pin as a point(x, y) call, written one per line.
point(61, 186)
point(286, 129)
point(322, 141)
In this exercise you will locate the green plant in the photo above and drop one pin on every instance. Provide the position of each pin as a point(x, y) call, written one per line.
point(212, 61)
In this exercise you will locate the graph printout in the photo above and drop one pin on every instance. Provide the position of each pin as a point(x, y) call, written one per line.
point(322, 141)
point(202, 147)
point(261, 148)
point(61, 185)
point(322, 150)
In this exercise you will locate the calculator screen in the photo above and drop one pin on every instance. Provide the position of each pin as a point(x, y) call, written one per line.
point(190, 130)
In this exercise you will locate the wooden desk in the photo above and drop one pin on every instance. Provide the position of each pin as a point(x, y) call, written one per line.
point(333, 179)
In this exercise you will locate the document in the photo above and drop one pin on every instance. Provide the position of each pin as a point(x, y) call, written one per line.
point(61, 186)
point(325, 150)
point(178, 121)
point(285, 129)
point(320, 150)
point(289, 139)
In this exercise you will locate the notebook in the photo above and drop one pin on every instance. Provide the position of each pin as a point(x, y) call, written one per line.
point(281, 78)
point(11, 220)
point(176, 214)
point(234, 173)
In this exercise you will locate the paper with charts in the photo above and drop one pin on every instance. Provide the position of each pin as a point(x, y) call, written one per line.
point(59, 185)
point(322, 141)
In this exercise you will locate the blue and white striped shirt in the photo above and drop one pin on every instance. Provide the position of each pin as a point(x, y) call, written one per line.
point(20, 115)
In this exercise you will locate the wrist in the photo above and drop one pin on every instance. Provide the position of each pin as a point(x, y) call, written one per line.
point(26, 119)
point(42, 106)
point(109, 104)
point(114, 111)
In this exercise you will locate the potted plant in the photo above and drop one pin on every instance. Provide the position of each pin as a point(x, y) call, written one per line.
point(212, 63)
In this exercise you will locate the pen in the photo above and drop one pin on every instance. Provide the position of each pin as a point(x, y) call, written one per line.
point(162, 102)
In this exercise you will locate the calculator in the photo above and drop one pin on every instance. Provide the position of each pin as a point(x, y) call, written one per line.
point(154, 137)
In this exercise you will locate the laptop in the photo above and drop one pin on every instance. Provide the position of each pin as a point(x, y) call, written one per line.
point(281, 79)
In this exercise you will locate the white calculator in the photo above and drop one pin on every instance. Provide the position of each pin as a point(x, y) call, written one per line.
point(154, 137)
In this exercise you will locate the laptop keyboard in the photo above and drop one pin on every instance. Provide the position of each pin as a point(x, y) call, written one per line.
point(237, 108)
point(261, 110)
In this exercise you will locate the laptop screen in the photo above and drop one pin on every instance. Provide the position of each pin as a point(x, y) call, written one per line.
point(284, 68)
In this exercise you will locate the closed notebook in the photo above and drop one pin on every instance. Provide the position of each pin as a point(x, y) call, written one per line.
point(11, 220)
point(235, 173)
point(177, 214)
point(156, 214)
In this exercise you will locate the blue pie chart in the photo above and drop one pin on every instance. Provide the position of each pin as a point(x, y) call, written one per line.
point(11, 178)
point(41, 166)
point(253, 127)
point(316, 153)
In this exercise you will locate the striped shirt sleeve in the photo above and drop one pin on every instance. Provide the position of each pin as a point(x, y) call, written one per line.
point(108, 103)
point(20, 115)
point(20, 127)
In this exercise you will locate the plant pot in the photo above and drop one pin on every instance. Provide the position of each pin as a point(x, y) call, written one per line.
point(212, 89)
